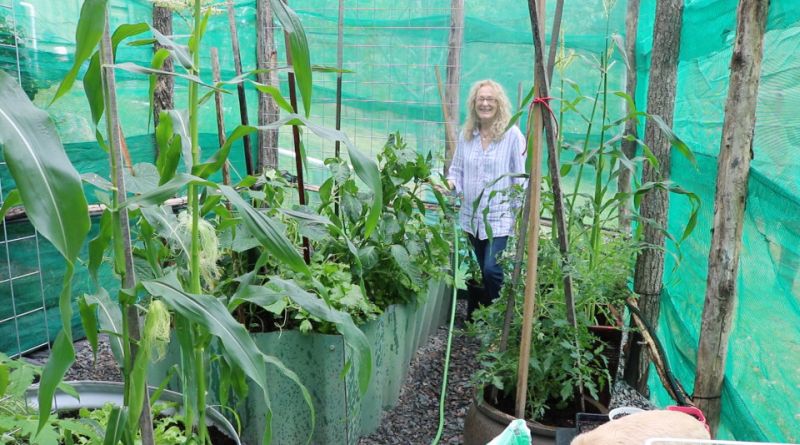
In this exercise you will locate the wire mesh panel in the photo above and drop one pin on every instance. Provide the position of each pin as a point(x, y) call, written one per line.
point(23, 309)
point(390, 51)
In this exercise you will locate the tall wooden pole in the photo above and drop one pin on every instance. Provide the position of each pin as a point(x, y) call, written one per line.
point(268, 112)
point(339, 65)
point(122, 234)
point(237, 62)
point(649, 271)
point(536, 10)
point(453, 85)
point(736, 151)
point(629, 147)
point(522, 232)
point(535, 126)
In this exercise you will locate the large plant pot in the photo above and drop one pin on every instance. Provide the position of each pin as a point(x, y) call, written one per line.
point(485, 422)
point(94, 395)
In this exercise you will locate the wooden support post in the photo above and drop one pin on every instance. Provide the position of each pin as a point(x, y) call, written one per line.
point(649, 271)
point(268, 112)
point(729, 204)
point(453, 85)
point(122, 232)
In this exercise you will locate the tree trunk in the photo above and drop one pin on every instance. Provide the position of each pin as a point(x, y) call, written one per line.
point(453, 86)
point(163, 95)
point(629, 147)
point(729, 205)
point(655, 204)
point(266, 58)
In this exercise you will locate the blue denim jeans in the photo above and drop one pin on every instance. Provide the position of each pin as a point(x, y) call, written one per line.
point(487, 253)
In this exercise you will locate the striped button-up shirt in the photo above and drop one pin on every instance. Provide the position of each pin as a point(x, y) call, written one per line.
point(475, 172)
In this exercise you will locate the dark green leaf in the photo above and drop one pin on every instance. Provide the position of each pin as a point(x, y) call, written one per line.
point(110, 318)
point(267, 231)
point(88, 313)
point(48, 184)
point(298, 47)
point(99, 244)
point(344, 324)
point(12, 200)
point(216, 162)
point(62, 355)
point(87, 36)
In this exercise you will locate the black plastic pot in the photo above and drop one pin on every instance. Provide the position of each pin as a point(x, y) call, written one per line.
point(96, 394)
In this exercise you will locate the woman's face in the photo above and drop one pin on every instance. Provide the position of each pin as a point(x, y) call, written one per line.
point(486, 103)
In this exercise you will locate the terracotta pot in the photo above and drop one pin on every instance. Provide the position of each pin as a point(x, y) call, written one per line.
point(485, 422)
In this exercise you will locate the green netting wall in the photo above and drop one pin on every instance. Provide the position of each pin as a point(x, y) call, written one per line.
point(762, 384)
point(392, 48)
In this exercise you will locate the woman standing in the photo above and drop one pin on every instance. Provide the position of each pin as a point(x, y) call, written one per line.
point(486, 154)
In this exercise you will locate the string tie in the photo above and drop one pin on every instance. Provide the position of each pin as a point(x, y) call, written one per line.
point(545, 102)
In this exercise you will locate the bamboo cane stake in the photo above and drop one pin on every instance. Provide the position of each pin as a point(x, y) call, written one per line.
point(534, 190)
point(237, 62)
point(519, 254)
point(122, 229)
point(536, 10)
point(729, 205)
point(226, 175)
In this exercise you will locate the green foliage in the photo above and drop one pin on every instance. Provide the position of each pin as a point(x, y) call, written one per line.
point(405, 249)
point(343, 295)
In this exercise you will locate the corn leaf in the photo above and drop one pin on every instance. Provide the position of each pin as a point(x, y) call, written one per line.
point(49, 186)
point(87, 36)
point(298, 47)
point(344, 324)
point(209, 312)
point(267, 231)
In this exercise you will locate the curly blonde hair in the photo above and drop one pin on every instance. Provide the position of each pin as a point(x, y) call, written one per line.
point(502, 117)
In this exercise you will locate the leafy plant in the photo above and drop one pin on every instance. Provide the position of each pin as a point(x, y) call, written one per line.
point(405, 248)
point(599, 261)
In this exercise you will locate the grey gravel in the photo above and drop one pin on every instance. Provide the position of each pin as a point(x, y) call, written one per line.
point(415, 419)
point(86, 367)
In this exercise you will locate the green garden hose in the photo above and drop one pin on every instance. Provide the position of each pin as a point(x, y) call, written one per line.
point(443, 394)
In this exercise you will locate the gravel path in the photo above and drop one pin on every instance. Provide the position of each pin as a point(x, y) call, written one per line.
point(415, 419)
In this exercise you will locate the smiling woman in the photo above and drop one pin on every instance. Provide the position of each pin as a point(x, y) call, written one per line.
point(483, 171)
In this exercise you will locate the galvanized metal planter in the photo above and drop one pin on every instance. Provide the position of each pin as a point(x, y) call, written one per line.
point(319, 360)
point(343, 416)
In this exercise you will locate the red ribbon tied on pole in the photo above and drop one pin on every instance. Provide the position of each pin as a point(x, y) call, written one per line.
point(545, 102)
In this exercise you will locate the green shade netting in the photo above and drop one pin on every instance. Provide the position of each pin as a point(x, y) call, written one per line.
point(392, 49)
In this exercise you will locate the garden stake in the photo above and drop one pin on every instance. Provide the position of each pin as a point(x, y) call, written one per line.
point(339, 64)
point(522, 232)
point(298, 158)
point(122, 235)
point(226, 174)
point(237, 62)
point(540, 72)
